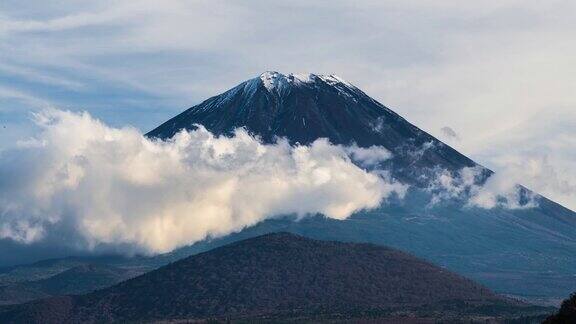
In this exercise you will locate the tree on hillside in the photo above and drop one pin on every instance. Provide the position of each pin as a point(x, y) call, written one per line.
point(566, 314)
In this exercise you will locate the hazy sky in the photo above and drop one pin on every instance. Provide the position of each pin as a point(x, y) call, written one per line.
point(495, 79)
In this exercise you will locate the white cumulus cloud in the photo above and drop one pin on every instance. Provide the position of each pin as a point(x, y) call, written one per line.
point(95, 185)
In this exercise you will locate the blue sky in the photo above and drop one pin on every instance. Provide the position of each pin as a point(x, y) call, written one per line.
point(498, 73)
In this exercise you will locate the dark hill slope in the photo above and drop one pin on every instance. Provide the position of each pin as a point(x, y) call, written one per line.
point(274, 276)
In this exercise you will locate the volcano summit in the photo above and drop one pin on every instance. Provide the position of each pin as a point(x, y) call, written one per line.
point(305, 107)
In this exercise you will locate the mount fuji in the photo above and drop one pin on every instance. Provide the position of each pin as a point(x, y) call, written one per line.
point(527, 251)
point(305, 107)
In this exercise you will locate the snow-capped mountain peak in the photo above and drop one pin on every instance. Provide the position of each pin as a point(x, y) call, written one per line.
point(274, 81)
point(306, 107)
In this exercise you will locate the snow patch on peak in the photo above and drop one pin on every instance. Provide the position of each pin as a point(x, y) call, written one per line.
point(303, 77)
point(274, 81)
point(333, 79)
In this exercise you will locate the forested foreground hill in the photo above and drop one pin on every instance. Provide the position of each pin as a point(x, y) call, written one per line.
point(277, 277)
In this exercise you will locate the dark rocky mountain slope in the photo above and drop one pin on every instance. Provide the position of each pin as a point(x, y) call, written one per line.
point(279, 276)
point(303, 108)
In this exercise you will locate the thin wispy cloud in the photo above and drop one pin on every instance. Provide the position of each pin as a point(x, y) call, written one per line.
point(489, 70)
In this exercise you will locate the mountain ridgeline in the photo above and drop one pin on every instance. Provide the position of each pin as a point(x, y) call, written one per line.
point(303, 108)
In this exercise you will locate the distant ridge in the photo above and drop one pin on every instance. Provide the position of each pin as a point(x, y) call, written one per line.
point(275, 276)
point(79, 279)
